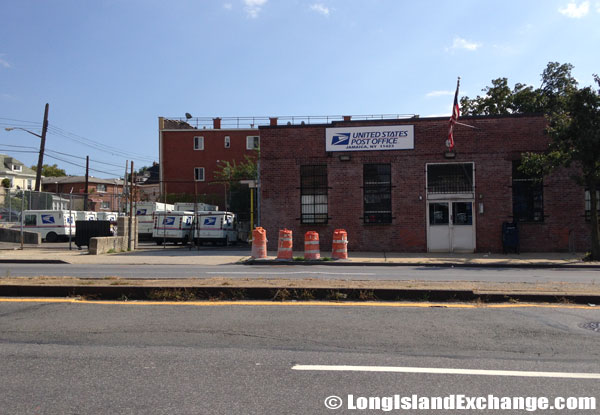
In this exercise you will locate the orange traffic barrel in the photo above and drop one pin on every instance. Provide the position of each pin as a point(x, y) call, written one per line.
point(284, 247)
point(340, 244)
point(259, 243)
point(311, 245)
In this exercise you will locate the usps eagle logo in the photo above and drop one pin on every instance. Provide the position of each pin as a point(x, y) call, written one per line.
point(341, 139)
point(169, 221)
point(210, 221)
point(48, 219)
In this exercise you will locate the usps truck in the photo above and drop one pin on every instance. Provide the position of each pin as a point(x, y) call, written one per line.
point(51, 224)
point(215, 227)
point(111, 217)
point(188, 206)
point(172, 226)
point(85, 215)
point(145, 211)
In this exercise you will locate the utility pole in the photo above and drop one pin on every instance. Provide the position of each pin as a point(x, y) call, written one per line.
point(130, 233)
point(87, 181)
point(38, 173)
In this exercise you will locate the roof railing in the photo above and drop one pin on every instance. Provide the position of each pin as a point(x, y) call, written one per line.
point(257, 121)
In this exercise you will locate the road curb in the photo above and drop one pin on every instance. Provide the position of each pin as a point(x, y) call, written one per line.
point(33, 261)
point(419, 264)
point(169, 293)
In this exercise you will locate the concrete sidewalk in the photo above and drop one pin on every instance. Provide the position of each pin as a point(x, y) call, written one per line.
point(232, 255)
point(277, 288)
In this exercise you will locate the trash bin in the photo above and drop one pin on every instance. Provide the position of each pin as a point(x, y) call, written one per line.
point(87, 229)
point(510, 237)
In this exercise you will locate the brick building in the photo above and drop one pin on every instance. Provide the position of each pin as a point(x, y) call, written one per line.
point(393, 186)
point(103, 194)
point(189, 156)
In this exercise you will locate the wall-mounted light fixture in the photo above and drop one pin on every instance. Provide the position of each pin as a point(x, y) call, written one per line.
point(345, 157)
point(450, 154)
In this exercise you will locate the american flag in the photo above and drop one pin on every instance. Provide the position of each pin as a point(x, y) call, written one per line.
point(454, 117)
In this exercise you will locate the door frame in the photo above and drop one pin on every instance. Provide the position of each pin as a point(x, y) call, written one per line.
point(450, 201)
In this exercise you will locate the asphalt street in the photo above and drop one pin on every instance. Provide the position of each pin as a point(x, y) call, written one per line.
point(76, 358)
point(395, 273)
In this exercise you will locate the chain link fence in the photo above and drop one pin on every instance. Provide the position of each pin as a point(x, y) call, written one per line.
point(13, 202)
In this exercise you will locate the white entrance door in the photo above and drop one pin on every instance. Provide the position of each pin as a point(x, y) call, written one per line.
point(450, 226)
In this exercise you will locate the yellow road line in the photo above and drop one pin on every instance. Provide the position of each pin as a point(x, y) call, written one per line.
point(294, 303)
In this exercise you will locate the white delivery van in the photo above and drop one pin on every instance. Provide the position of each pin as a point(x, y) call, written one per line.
point(215, 227)
point(51, 224)
point(187, 206)
point(172, 226)
point(85, 215)
point(144, 211)
point(111, 217)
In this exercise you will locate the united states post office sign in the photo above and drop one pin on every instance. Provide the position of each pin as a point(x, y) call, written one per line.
point(389, 137)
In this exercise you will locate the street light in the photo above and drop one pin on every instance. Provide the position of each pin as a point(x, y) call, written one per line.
point(22, 129)
point(38, 173)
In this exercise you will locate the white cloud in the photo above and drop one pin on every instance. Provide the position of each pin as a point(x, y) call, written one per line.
point(598, 7)
point(4, 62)
point(438, 93)
point(320, 8)
point(460, 43)
point(253, 7)
point(574, 11)
point(227, 6)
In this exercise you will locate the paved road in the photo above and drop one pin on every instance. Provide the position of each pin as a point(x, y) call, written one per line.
point(302, 271)
point(96, 359)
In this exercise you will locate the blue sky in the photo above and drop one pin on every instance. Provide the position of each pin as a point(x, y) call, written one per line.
point(110, 68)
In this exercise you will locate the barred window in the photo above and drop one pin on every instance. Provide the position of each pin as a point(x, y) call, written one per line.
point(450, 178)
point(377, 187)
point(528, 196)
point(313, 194)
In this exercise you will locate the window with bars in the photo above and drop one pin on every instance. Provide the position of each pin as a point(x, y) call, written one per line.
point(313, 194)
point(450, 178)
point(528, 196)
point(377, 188)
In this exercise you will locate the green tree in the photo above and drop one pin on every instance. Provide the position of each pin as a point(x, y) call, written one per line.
point(574, 128)
point(51, 170)
point(230, 174)
point(6, 183)
point(557, 84)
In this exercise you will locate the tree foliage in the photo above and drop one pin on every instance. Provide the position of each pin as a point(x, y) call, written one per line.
point(574, 128)
point(230, 174)
point(51, 170)
point(573, 116)
point(500, 99)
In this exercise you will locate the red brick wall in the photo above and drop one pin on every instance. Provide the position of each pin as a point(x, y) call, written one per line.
point(95, 198)
point(179, 158)
point(492, 147)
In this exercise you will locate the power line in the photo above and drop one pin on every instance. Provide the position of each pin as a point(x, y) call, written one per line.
point(100, 146)
point(55, 130)
point(79, 165)
point(64, 154)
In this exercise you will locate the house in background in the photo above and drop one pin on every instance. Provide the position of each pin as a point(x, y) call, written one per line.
point(103, 194)
point(20, 176)
point(148, 184)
